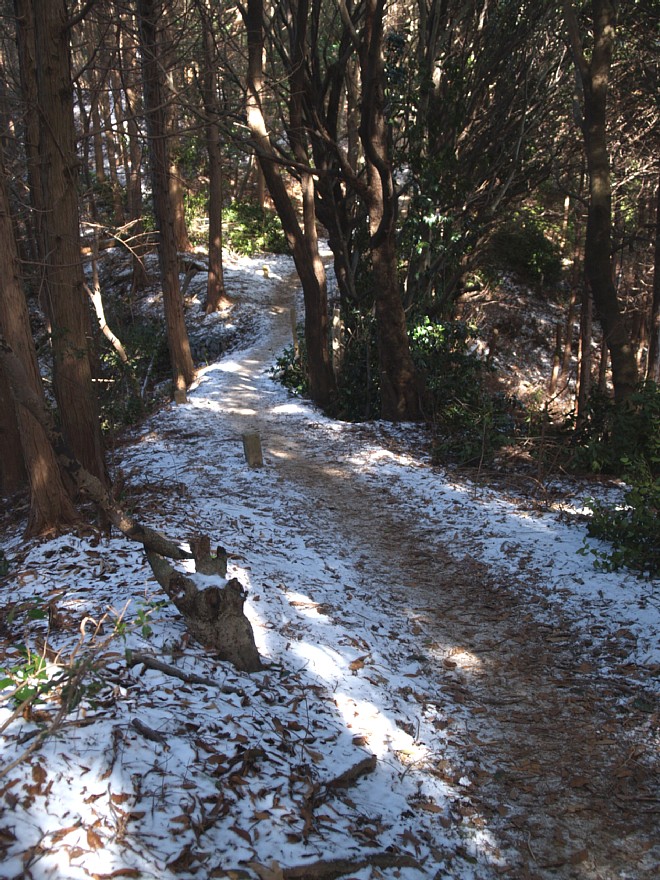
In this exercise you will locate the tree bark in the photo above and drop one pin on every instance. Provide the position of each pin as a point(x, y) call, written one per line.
point(50, 504)
point(400, 391)
point(13, 475)
point(28, 79)
point(594, 77)
point(66, 297)
point(216, 295)
point(303, 242)
point(653, 367)
point(149, 12)
point(129, 64)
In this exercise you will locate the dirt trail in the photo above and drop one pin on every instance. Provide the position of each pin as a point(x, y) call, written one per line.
point(561, 761)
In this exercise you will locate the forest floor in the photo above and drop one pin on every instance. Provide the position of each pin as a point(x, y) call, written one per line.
point(451, 690)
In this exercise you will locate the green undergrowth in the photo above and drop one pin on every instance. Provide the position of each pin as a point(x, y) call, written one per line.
point(249, 230)
point(624, 441)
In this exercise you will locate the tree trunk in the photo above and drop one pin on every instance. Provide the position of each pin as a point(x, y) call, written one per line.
point(50, 504)
point(216, 295)
point(584, 356)
point(399, 385)
point(303, 242)
point(594, 77)
point(12, 466)
point(30, 117)
point(66, 297)
point(653, 367)
point(111, 149)
point(128, 50)
point(149, 13)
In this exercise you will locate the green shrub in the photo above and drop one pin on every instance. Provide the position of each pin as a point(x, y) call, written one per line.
point(521, 246)
point(470, 421)
point(613, 436)
point(290, 369)
point(249, 229)
point(120, 393)
point(633, 529)
point(358, 383)
point(624, 440)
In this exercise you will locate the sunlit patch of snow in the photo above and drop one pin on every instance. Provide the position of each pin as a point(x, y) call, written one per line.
point(321, 660)
point(288, 409)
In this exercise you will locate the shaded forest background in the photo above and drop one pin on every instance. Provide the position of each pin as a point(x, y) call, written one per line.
point(440, 147)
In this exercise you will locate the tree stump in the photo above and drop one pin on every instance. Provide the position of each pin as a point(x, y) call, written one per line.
point(214, 615)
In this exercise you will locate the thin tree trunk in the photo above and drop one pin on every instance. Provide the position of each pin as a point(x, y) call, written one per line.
point(653, 367)
point(584, 355)
point(128, 55)
point(112, 153)
point(216, 295)
point(149, 13)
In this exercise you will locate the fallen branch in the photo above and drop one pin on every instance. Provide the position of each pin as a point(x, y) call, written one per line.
point(348, 777)
point(148, 732)
point(137, 658)
point(329, 869)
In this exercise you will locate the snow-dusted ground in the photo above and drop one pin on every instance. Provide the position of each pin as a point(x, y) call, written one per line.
point(355, 742)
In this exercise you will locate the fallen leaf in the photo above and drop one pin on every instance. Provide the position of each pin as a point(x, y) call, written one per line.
point(429, 806)
point(242, 833)
point(579, 782)
point(94, 840)
point(272, 872)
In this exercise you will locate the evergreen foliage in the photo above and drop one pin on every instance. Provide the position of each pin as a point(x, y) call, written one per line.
point(624, 440)
point(249, 229)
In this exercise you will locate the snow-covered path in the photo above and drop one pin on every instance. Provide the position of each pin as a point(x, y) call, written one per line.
point(452, 692)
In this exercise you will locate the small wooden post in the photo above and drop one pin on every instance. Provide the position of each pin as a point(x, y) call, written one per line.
point(252, 450)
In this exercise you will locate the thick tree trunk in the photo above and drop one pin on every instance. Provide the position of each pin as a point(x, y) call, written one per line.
point(303, 243)
point(50, 504)
point(594, 76)
point(67, 300)
point(149, 13)
point(399, 386)
point(13, 475)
